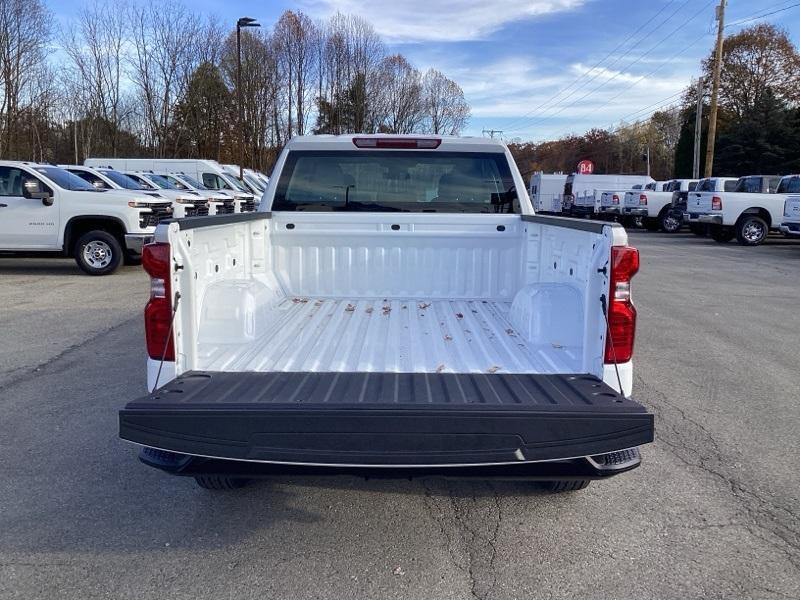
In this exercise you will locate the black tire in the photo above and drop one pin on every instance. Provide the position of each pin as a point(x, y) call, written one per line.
point(220, 482)
point(751, 230)
point(98, 253)
point(669, 224)
point(651, 224)
point(572, 485)
point(721, 234)
point(698, 229)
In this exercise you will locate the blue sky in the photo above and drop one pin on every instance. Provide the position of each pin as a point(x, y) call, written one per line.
point(526, 65)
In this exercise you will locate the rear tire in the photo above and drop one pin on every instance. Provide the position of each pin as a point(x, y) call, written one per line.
point(721, 234)
point(98, 253)
point(668, 223)
point(220, 482)
point(573, 485)
point(751, 230)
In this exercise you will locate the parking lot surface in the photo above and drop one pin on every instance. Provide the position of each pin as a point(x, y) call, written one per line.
point(713, 512)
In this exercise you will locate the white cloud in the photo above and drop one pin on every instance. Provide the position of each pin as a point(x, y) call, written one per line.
point(440, 20)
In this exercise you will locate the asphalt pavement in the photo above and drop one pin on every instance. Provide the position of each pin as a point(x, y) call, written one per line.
point(713, 512)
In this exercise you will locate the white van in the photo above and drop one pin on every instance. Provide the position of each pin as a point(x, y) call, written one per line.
point(545, 190)
point(582, 192)
point(211, 173)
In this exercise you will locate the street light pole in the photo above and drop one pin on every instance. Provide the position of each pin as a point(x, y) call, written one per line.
point(242, 22)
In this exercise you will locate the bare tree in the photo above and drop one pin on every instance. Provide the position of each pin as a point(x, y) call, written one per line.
point(161, 64)
point(24, 35)
point(399, 95)
point(446, 109)
point(296, 37)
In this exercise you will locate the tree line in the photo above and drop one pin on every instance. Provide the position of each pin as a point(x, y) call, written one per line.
point(758, 124)
point(155, 78)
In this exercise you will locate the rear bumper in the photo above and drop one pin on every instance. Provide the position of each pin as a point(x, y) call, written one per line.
point(135, 241)
point(792, 229)
point(589, 467)
point(704, 219)
point(636, 212)
point(362, 420)
point(611, 210)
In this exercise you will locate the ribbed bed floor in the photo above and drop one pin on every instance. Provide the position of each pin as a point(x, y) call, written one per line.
point(421, 336)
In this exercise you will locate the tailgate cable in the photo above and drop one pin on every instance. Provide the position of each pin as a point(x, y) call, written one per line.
point(603, 304)
point(166, 342)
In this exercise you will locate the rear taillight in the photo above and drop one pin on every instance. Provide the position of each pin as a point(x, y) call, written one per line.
point(401, 143)
point(621, 312)
point(642, 199)
point(158, 312)
point(614, 199)
point(716, 203)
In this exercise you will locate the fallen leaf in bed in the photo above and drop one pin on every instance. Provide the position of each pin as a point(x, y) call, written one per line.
point(493, 369)
point(448, 338)
point(459, 316)
point(349, 308)
point(440, 368)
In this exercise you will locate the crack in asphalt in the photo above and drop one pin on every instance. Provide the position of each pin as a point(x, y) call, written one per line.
point(462, 523)
point(24, 373)
point(764, 519)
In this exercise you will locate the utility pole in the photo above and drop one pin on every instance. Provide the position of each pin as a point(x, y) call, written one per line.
point(712, 118)
point(243, 22)
point(698, 129)
point(491, 132)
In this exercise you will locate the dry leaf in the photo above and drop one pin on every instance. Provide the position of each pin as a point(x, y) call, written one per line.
point(386, 310)
point(440, 368)
point(448, 338)
point(511, 332)
point(459, 316)
point(368, 310)
point(493, 369)
point(349, 308)
point(424, 305)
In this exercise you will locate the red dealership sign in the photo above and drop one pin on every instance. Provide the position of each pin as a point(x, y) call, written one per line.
point(585, 167)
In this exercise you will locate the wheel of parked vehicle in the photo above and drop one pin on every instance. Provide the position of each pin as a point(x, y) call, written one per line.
point(651, 224)
point(571, 485)
point(751, 230)
point(668, 223)
point(220, 482)
point(98, 253)
point(698, 229)
point(721, 234)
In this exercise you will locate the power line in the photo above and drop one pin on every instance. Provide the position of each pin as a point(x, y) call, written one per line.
point(597, 64)
point(668, 36)
point(654, 71)
point(757, 17)
point(658, 105)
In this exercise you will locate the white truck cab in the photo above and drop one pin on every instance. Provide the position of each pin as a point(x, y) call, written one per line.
point(211, 173)
point(655, 207)
point(749, 213)
point(790, 225)
point(186, 203)
point(44, 208)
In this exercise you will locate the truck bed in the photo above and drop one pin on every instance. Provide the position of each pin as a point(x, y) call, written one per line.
point(396, 336)
point(386, 419)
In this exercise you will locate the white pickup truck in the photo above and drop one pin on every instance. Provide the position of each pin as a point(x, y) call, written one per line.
point(45, 209)
point(748, 213)
point(790, 226)
point(611, 203)
point(655, 207)
point(394, 306)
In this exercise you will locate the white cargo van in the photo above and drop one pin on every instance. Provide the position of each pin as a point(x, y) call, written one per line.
point(545, 190)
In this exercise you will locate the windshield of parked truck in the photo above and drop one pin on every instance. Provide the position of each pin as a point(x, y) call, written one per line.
point(198, 185)
point(235, 184)
point(66, 180)
point(408, 181)
point(120, 179)
point(161, 182)
point(256, 185)
point(790, 185)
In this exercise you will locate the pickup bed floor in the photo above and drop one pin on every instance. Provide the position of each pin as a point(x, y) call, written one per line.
point(399, 336)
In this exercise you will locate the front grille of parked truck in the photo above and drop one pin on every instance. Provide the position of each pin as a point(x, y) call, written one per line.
point(228, 207)
point(198, 210)
point(155, 216)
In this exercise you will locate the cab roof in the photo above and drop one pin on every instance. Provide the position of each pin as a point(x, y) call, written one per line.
point(345, 142)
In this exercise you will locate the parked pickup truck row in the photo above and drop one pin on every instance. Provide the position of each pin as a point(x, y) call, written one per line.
point(394, 307)
point(791, 217)
point(98, 216)
point(755, 207)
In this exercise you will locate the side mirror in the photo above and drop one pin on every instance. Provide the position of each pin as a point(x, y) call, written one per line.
point(99, 185)
point(32, 189)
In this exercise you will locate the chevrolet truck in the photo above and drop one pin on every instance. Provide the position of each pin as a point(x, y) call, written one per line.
point(45, 209)
point(395, 307)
